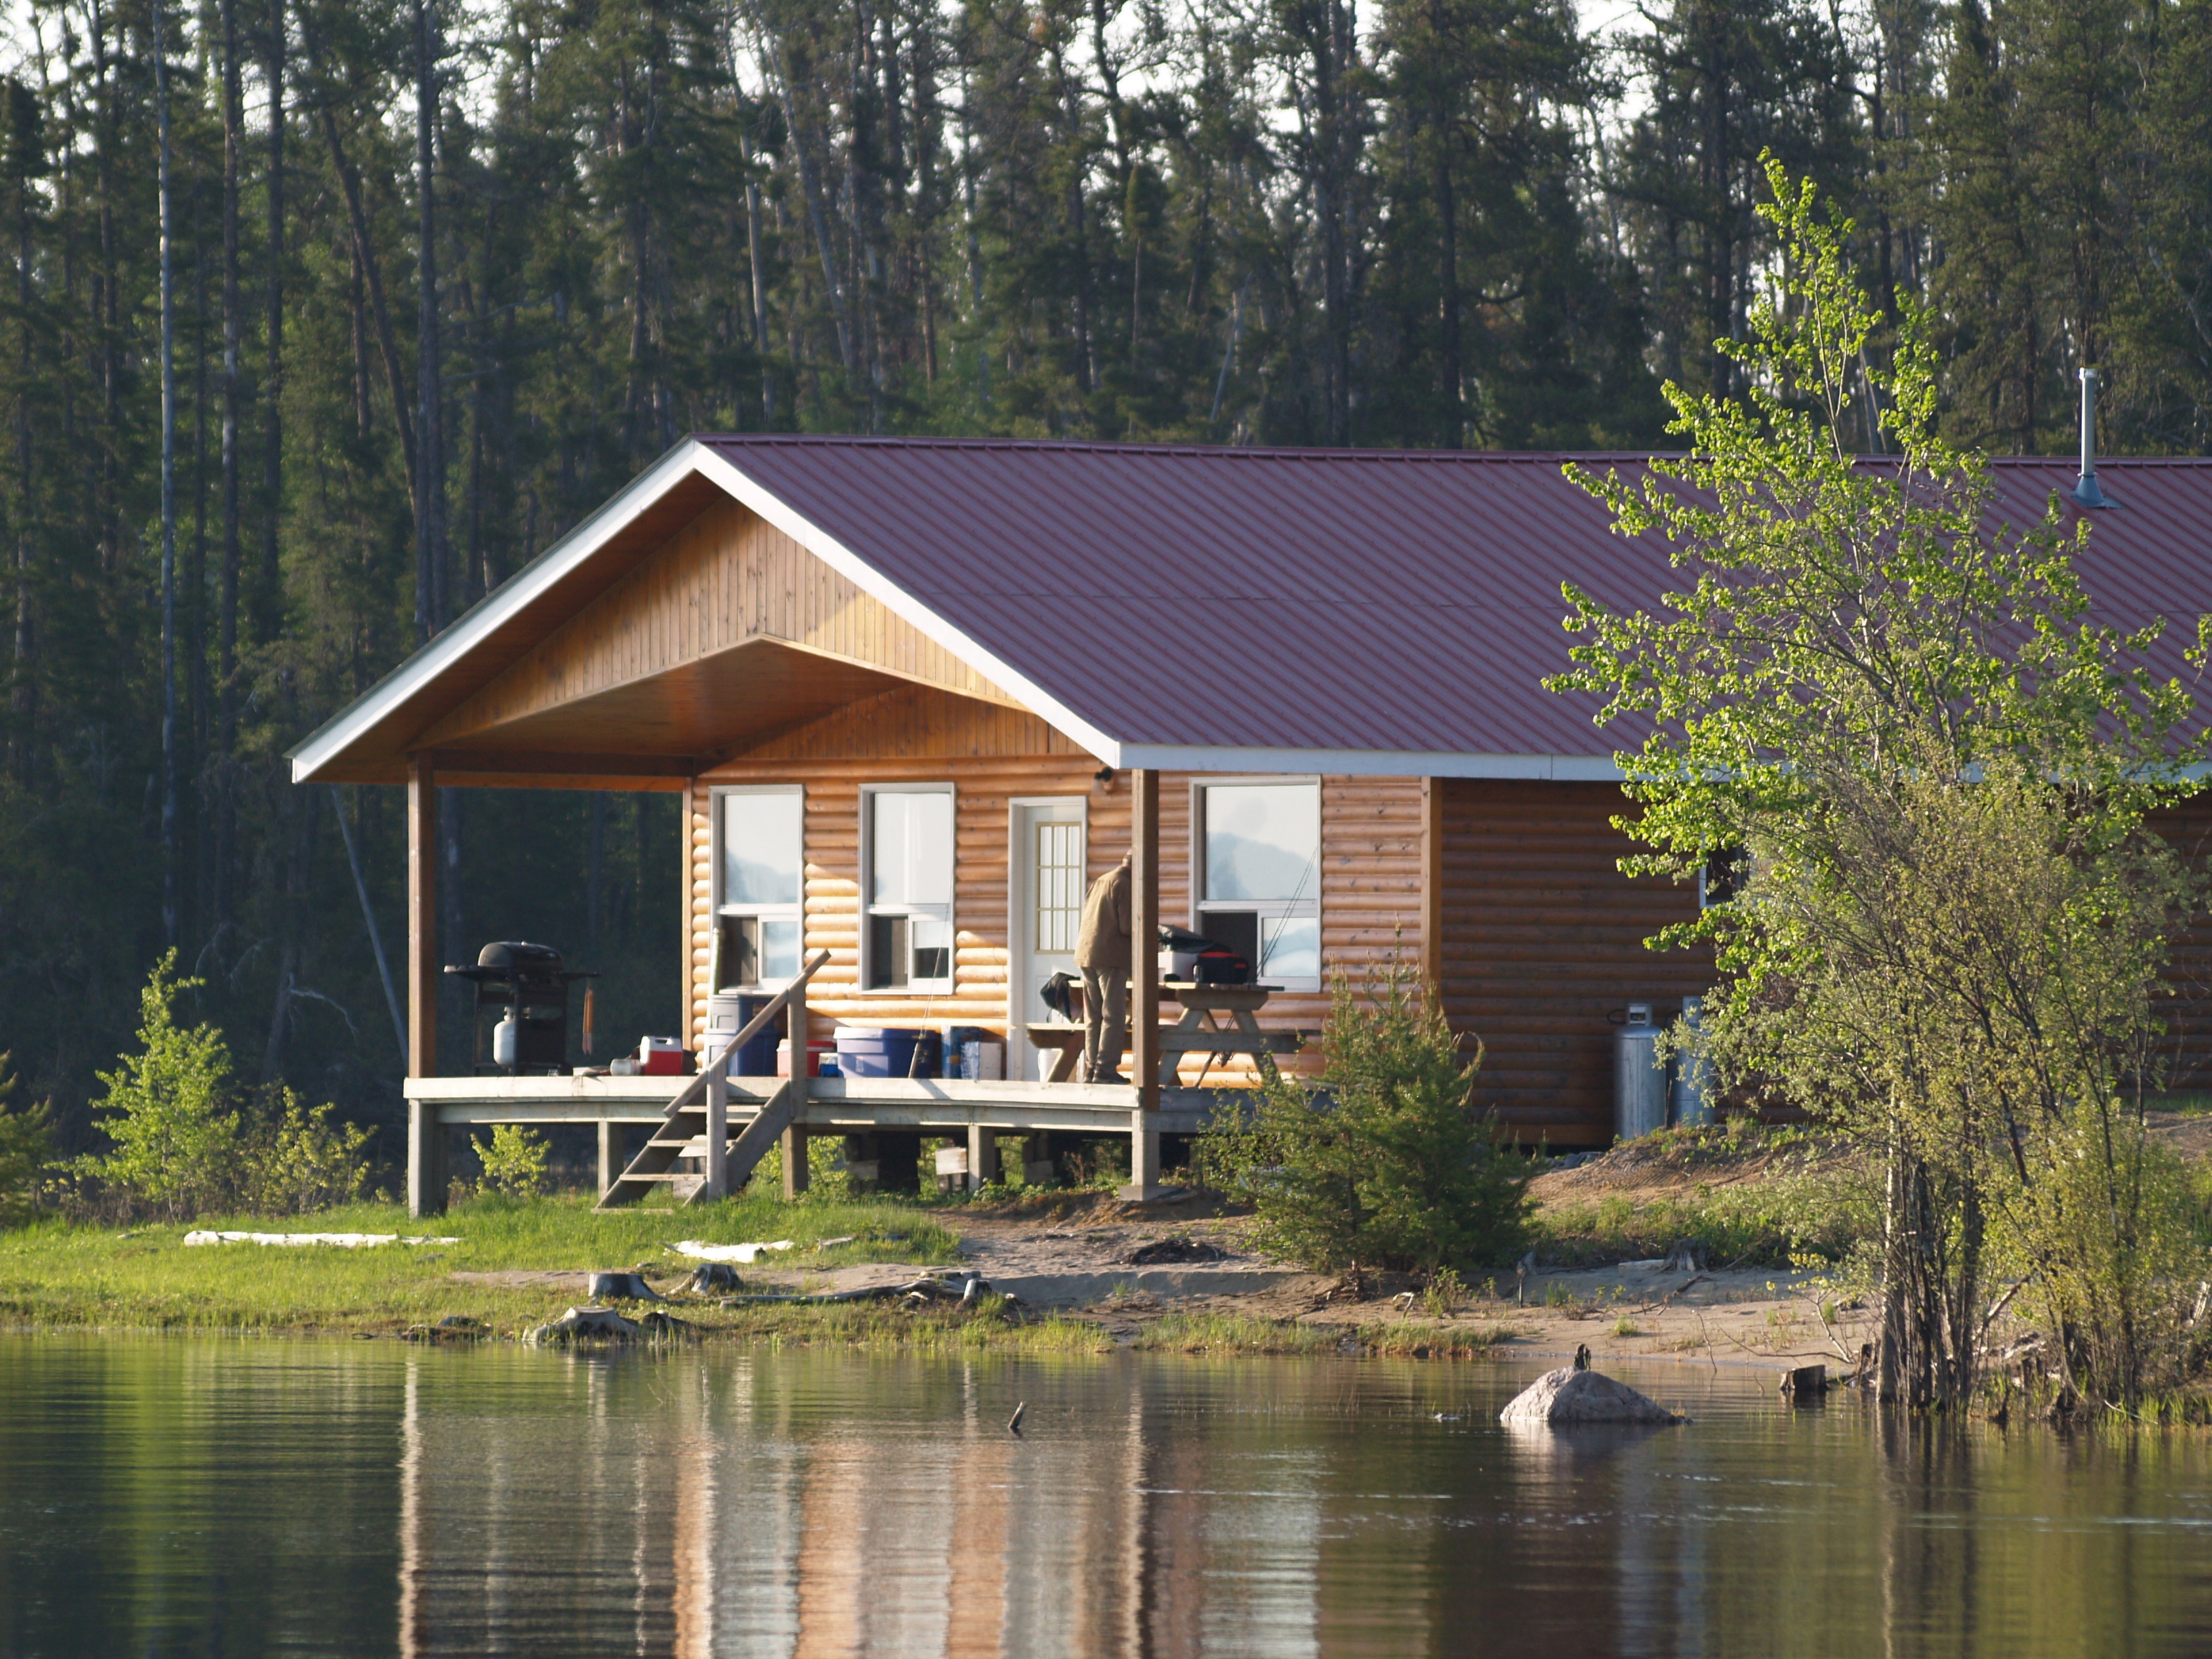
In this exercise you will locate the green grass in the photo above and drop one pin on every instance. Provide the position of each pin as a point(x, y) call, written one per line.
point(1403, 1339)
point(54, 1275)
point(1236, 1333)
point(1806, 1201)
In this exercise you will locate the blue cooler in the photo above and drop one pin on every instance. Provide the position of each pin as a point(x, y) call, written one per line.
point(889, 1051)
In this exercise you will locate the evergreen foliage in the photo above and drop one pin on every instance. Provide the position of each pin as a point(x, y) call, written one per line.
point(1423, 222)
point(1388, 1164)
point(26, 1143)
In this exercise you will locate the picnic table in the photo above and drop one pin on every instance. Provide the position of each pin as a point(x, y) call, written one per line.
point(1216, 1021)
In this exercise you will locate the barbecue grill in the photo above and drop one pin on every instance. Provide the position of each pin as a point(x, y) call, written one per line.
point(524, 990)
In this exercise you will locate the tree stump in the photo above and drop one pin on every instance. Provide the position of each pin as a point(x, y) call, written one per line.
point(1806, 1383)
point(621, 1287)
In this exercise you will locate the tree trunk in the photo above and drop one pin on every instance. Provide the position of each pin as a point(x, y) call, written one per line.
point(429, 471)
point(272, 377)
point(229, 554)
point(168, 293)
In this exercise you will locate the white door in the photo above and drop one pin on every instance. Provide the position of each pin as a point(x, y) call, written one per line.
point(1046, 911)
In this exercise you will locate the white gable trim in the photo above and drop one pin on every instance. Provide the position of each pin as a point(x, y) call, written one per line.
point(621, 510)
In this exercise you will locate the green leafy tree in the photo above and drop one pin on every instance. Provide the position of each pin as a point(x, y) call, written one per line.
point(168, 1110)
point(1948, 937)
point(1388, 1164)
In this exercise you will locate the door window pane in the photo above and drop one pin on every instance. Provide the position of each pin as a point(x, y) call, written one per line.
point(760, 849)
point(1059, 886)
point(1262, 841)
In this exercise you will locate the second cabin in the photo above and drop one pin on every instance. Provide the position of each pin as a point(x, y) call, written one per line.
point(917, 695)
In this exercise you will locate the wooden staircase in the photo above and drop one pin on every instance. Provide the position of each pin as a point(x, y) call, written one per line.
point(696, 1123)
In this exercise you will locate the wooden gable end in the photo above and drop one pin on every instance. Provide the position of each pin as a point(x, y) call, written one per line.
point(727, 634)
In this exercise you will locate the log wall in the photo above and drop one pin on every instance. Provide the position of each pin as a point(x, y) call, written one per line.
point(1370, 851)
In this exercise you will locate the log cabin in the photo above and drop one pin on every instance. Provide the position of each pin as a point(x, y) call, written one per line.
point(915, 694)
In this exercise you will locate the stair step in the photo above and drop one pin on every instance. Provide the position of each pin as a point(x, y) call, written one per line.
point(663, 1175)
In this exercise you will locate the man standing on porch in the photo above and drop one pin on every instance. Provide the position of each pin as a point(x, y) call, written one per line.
point(1102, 951)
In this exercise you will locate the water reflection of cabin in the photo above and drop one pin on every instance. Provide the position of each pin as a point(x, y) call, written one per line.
point(916, 694)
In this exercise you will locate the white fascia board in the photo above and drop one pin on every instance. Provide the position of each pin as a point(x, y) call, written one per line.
point(865, 576)
point(1371, 763)
point(430, 660)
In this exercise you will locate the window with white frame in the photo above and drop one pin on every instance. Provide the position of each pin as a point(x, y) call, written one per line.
point(1258, 876)
point(906, 885)
point(759, 887)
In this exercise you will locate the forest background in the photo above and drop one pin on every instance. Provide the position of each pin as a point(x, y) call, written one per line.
point(440, 276)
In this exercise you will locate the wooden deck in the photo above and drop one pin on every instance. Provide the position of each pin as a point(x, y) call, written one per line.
point(833, 1106)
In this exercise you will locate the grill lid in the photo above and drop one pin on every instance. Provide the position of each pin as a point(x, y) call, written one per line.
point(518, 956)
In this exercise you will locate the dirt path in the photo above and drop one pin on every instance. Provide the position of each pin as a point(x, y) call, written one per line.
point(1089, 1253)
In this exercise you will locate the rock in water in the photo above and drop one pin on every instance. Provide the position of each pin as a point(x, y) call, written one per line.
point(1568, 1395)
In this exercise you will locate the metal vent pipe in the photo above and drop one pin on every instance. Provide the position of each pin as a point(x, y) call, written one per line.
point(2086, 491)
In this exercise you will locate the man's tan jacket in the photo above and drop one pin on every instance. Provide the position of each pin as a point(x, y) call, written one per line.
point(1103, 946)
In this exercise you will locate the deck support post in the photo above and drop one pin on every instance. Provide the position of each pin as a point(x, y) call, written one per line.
point(426, 1133)
point(427, 1170)
point(982, 1156)
point(800, 1028)
point(611, 1154)
point(1144, 983)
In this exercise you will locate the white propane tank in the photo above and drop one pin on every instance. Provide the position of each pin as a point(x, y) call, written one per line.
point(1639, 1081)
point(1691, 1089)
point(503, 1037)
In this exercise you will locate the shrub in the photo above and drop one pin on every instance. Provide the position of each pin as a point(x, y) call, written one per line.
point(513, 1160)
point(1388, 1165)
point(25, 1139)
point(181, 1144)
point(296, 1159)
point(168, 1110)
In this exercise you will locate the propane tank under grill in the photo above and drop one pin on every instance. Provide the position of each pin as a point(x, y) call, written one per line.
point(520, 1019)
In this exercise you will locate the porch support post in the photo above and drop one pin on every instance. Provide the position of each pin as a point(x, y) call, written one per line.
point(718, 1122)
point(426, 1134)
point(795, 1174)
point(1144, 982)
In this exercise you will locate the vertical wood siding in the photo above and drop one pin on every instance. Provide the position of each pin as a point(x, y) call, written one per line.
point(2188, 1013)
point(725, 578)
point(1543, 937)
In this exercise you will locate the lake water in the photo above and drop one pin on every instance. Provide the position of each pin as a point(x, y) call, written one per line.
point(241, 1497)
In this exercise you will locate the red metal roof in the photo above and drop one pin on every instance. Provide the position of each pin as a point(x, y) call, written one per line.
point(1334, 599)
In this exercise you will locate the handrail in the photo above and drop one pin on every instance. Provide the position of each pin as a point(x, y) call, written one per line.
point(753, 1027)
